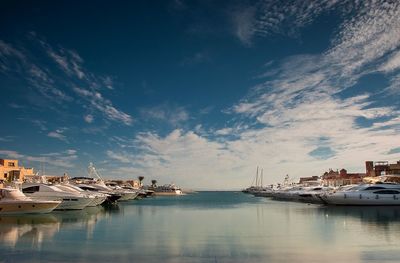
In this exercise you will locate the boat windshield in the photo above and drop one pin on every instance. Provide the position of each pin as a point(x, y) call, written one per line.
point(351, 188)
point(13, 194)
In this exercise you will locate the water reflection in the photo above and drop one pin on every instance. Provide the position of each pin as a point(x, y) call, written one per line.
point(32, 230)
point(207, 227)
point(370, 214)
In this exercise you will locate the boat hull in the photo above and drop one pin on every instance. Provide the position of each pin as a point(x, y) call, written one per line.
point(27, 207)
point(173, 193)
point(126, 196)
point(67, 203)
point(361, 200)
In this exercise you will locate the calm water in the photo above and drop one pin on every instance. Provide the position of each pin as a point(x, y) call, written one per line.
point(205, 227)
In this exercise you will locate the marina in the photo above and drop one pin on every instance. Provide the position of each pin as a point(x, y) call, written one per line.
point(378, 186)
point(86, 219)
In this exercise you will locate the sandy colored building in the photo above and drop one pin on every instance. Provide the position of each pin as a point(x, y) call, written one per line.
point(372, 169)
point(10, 171)
point(342, 177)
point(382, 168)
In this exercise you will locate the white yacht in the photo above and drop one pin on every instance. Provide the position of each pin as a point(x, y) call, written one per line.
point(265, 192)
point(364, 194)
point(97, 198)
point(70, 201)
point(288, 193)
point(97, 182)
point(311, 194)
point(13, 201)
point(111, 196)
point(126, 194)
point(167, 189)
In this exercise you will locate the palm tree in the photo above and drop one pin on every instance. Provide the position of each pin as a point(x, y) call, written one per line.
point(140, 180)
point(154, 183)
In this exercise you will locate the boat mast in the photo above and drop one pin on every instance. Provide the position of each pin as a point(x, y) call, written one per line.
point(257, 177)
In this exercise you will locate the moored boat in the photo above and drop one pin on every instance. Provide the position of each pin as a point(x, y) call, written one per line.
point(13, 201)
point(167, 189)
point(70, 200)
point(364, 194)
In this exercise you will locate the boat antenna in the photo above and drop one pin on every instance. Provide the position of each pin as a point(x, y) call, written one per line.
point(92, 171)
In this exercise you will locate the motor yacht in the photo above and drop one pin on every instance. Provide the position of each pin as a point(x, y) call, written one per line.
point(70, 200)
point(311, 194)
point(126, 194)
point(364, 194)
point(96, 181)
point(97, 198)
point(264, 192)
point(13, 201)
point(287, 193)
point(167, 189)
point(111, 196)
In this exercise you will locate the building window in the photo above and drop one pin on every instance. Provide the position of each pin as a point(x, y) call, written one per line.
point(11, 164)
point(5, 175)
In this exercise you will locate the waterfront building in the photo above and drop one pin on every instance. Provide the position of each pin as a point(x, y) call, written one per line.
point(342, 177)
point(311, 180)
point(372, 169)
point(11, 171)
point(382, 168)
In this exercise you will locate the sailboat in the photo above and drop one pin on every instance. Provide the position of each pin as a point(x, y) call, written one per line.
point(258, 186)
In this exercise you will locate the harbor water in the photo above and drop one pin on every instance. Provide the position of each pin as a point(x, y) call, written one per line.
point(205, 227)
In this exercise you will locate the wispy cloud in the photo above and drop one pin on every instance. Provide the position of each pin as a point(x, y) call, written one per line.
point(42, 125)
point(105, 106)
point(54, 160)
point(88, 118)
point(121, 157)
point(11, 154)
point(69, 61)
point(392, 64)
point(19, 61)
point(267, 17)
point(244, 20)
point(174, 115)
point(7, 139)
point(62, 86)
point(7, 51)
point(108, 82)
point(58, 134)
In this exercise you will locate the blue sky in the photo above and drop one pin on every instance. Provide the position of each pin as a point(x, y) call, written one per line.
point(200, 93)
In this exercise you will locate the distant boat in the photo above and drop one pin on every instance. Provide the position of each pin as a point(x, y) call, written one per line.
point(13, 201)
point(258, 187)
point(126, 194)
point(167, 189)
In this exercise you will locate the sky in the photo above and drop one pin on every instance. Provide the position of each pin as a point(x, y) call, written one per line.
point(200, 93)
